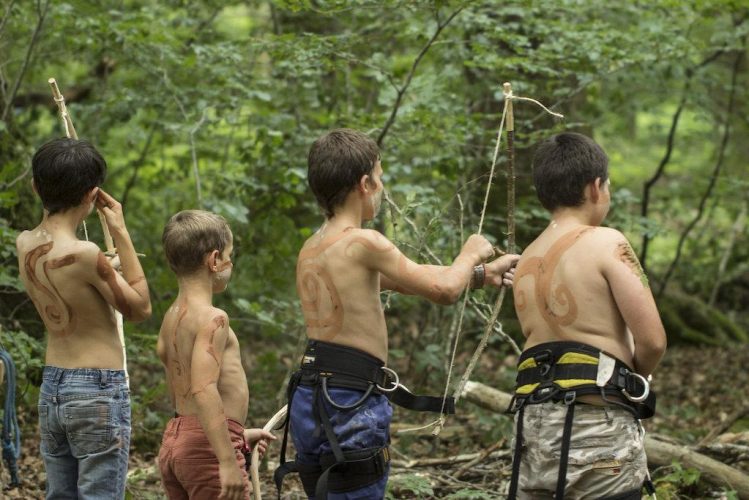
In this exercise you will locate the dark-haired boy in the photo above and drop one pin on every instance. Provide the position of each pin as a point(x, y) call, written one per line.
point(339, 411)
point(84, 402)
point(201, 456)
point(593, 336)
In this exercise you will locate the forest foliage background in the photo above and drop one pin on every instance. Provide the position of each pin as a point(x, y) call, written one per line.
point(214, 104)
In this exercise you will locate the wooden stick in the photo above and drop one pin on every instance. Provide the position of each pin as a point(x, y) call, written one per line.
point(279, 417)
point(466, 457)
point(71, 133)
point(510, 128)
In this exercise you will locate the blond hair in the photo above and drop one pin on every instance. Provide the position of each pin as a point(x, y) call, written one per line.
point(192, 234)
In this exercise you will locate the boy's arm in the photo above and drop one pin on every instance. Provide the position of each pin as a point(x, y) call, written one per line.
point(631, 290)
point(127, 293)
point(205, 369)
point(440, 284)
point(498, 272)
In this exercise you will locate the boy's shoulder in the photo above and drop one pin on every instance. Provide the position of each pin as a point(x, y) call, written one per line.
point(31, 240)
point(602, 238)
point(212, 316)
point(355, 241)
point(371, 239)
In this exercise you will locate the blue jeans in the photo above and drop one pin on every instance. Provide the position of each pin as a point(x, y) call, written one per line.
point(367, 426)
point(84, 420)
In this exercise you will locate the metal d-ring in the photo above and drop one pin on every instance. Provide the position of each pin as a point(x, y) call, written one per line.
point(396, 380)
point(645, 392)
point(353, 405)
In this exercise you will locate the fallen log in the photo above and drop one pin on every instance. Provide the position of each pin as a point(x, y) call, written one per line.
point(659, 452)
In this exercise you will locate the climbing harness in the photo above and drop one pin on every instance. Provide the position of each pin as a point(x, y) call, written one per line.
point(564, 371)
point(325, 365)
point(11, 433)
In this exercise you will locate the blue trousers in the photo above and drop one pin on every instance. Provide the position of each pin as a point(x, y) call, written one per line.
point(367, 426)
point(84, 419)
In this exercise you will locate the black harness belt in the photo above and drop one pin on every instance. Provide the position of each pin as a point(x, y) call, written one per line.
point(326, 365)
point(563, 371)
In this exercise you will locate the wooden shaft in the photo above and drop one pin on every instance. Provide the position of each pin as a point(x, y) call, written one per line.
point(510, 170)
point(71, 133)
point(279, 417)
point(60, 101)
point(108, 242)
point(510, 120)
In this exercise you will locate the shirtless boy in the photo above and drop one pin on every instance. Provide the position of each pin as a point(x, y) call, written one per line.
point(337, 413)
point(84, 402)
point(593, 336)
point(202, 453)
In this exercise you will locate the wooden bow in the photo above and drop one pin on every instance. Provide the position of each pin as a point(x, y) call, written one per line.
point(111, 250)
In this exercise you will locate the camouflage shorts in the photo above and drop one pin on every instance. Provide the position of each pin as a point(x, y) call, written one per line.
point(606, 455)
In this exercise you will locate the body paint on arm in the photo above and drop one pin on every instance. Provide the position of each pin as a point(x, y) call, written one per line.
point(626, 254)
point(107, 273)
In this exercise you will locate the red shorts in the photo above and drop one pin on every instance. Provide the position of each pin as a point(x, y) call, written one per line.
point(188, 464)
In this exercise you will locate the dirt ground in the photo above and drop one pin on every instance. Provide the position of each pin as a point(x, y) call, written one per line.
point(698, 388)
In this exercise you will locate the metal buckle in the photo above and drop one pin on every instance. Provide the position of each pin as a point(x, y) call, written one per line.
point(569, 397)
point(394, 376)
point(645, 392)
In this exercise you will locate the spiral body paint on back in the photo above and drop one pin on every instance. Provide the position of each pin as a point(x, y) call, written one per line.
point(56, 313)
point(313, 281)
point(542, 269)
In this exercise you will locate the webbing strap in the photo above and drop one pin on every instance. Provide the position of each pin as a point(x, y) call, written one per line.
point(514, 479)
point(405, 399)
point(565, 453)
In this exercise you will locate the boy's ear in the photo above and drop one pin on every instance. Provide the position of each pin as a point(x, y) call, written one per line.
point(211, 259)
point(33, 186)
point(595, 188)
point(364, 183)
point(90, 197)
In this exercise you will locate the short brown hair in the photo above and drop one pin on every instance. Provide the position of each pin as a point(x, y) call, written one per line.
point(336, 163)
point(192, 234)
point(563, 165)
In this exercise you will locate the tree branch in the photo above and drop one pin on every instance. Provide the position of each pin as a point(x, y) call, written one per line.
point(402, 90)
point(736, 230)
point(136, 164)
point(27, 59)
point(6, 16)
point(713, 178)
point(648, 185)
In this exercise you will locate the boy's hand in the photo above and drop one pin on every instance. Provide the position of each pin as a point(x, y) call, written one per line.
point(114, 261)
point(501, 271)
point(259, 438)
point(112, 211)
point(479, 247)
point(232, 481)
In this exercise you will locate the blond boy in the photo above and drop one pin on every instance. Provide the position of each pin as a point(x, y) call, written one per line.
point(202, 454)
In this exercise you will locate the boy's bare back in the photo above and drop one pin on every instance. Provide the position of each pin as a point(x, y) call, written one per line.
point(341, 271)
point(199, 349)
point(72, 285)
point(584, 283)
